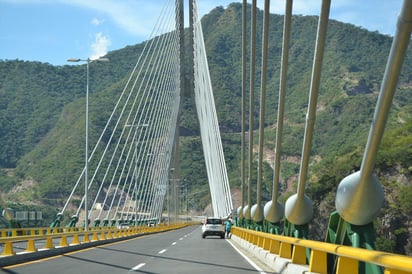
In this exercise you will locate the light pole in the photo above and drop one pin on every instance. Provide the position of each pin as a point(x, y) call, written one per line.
point(88, 61)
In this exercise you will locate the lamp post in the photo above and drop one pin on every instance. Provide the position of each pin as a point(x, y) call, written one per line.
point(88, 61)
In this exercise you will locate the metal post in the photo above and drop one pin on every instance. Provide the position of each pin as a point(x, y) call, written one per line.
point(360, 196)
point(251, 107)
point(168, 202)
point(299, 207)
point(258, 212)
point(275, 211)
point(86, 154)
point(135, 178)
point(243, 142)
point(86, 168)
point(176, 201)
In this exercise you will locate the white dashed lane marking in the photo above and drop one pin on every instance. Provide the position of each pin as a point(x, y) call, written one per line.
point(137, 267)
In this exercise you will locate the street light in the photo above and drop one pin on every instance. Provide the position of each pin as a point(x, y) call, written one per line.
point(88, 61)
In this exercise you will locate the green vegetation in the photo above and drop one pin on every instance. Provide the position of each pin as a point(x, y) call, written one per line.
point(42, 118)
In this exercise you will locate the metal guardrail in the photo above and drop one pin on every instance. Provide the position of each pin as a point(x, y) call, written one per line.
point(65, 236)
point(348, 258)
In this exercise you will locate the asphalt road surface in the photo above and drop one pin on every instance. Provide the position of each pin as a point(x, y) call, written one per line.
point(179, 251)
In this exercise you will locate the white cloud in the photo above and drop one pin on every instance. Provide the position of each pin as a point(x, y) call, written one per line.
point(97, 22)
point(135, 17)
point(299, 7)
point(100, 46)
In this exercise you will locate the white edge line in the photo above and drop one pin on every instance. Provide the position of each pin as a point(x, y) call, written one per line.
point(162, 251)
point(173, 243)
point(138, 266)
point(247, 259)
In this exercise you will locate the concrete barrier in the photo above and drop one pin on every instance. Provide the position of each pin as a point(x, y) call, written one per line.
point(274, 262)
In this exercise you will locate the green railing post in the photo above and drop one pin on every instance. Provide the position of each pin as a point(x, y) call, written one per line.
point(73, 221)
point(272, 228)
point(364, 236)
point(105, 222)
point(113, 222)
point(57, 221)
point(258, 225)
point(96, 223)
point(360, 236)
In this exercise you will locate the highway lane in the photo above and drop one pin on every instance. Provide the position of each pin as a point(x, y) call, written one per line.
point(178, 251)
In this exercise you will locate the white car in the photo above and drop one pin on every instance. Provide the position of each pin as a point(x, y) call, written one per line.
point(213, 226)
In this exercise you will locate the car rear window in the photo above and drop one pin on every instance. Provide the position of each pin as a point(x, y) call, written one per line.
point(214, 221)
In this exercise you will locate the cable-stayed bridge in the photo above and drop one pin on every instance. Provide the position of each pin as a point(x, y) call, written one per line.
point(131, 174)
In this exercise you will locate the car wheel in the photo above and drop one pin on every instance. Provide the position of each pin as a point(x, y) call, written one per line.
point(222, 236)
point(203, 236)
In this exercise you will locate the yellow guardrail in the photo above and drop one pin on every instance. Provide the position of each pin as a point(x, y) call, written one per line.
point(348, 258)
point(63, 234)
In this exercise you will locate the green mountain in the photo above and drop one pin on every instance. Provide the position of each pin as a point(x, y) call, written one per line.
point(42, 118)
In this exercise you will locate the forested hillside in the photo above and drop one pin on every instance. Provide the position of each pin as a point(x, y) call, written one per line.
point(42, 118)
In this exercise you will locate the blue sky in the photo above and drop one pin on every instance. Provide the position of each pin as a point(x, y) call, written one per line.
point(51, 31)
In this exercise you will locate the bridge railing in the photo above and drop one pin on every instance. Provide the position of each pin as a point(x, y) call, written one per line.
point(42, 239)
point(348, 258)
